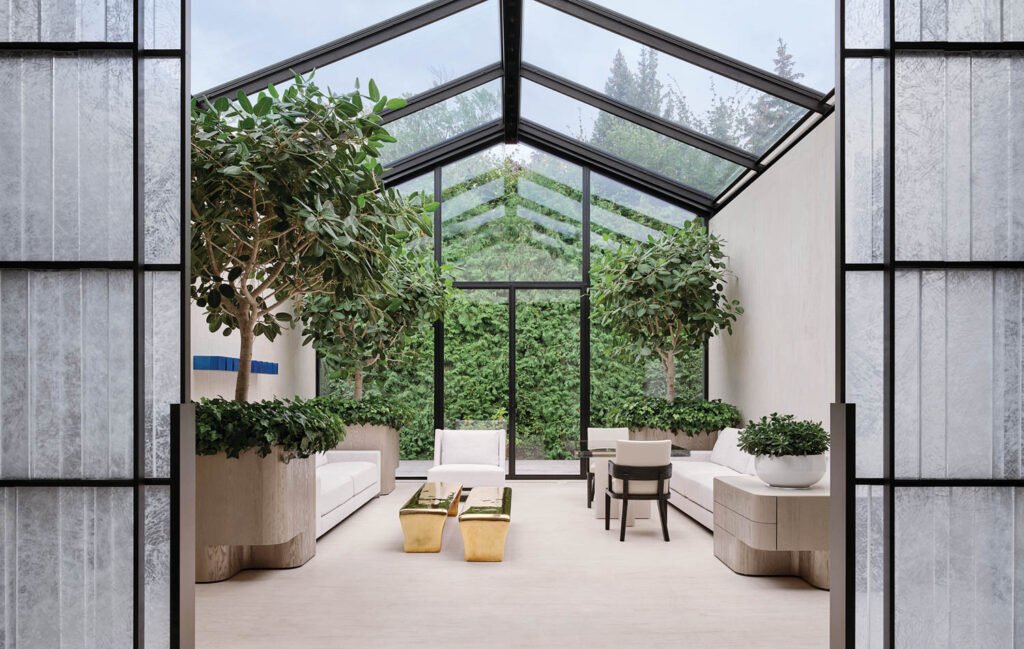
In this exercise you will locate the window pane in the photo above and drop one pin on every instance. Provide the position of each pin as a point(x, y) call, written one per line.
point(162, 110)
point(443, 121)
point(228, 42)
point(940, 20)
point(621, 213)
point(752, 31)
point(654, 82)
point(865, 23)
point(476, 360)
point(158, 567)
point(163, 367)
point(866, 117)
point(869, 571)
point(427, 57)
point(515, 216)
point(865, 363)
point(61, 21)
point(635, 144)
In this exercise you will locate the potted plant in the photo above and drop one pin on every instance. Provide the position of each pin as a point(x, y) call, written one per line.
point(665, 297)
point(788, 453)
point(255, 482)
point(689, 424)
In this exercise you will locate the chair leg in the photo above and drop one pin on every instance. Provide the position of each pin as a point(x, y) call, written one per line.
point(623, 511)
point(590, 490)
point(607, 511)
point(663, 510)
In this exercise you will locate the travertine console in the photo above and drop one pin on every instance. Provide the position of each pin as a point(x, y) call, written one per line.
point(762, 530)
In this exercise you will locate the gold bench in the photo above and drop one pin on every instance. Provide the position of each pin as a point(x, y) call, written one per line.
point(484, 523)
point(424, 515)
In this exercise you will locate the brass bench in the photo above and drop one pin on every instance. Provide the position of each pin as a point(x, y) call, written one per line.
point(484, 523)
point(423, 516)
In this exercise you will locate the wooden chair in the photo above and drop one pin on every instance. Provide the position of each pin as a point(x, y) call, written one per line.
point(640, 471)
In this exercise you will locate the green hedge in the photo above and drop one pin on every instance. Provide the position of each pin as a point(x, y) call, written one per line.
point(371, 410)
point(302, 427)
point(688, 417)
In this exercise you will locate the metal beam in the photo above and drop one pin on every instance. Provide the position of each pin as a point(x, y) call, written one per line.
point(616, 168)
point(511, 61)
point(440, 93)
point(691, 52)
point(660, 125)
point(450, 150)
point(341, 48)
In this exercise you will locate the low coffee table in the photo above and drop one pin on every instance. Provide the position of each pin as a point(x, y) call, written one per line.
point(484, 523)
point(423, 516)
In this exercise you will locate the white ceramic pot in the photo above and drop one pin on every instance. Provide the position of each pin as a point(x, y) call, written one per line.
point(791, 471)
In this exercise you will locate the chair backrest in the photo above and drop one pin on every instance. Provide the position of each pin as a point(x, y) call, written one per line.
point(727, 452)
point(469, 447)
point(641, 454)
point(605, 437)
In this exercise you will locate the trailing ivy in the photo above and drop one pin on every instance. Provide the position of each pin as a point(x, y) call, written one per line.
point(687, 417)
point(301, 427)
point(777, 435)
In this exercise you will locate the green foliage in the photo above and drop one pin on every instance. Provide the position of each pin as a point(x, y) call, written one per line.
point(688, 417)
point(374, 410)
point(666, 294)
point(353, 335)
point(287, 201)
point(777, 435)
point(301, 427)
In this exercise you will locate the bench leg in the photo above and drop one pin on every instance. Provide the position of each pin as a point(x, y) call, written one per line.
point(422, 532)
point(484, 540)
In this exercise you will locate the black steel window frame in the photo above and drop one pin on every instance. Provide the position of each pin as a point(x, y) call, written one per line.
point(181, 606)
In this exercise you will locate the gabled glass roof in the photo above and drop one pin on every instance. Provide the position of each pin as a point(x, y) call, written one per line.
point(589, 81)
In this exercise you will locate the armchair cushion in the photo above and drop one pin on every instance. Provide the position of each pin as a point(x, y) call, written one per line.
point(468, 475)
point(471, 447)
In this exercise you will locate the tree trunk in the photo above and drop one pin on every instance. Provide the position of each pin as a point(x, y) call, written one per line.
point(669, 361)
point(244, 361)
point(357, 390)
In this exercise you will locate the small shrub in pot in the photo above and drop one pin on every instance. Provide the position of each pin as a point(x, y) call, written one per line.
point(789, 452)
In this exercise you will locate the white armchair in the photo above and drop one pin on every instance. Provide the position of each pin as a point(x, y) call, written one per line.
point(600, 438)
point(473, 458)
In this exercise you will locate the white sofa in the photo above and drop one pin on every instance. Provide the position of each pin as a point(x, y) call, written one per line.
point(693, 478)
point(473, 458)
point(345, 481)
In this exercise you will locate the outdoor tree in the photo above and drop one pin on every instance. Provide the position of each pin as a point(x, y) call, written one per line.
point(665, 295)
point(355, 334)
point(287, 202)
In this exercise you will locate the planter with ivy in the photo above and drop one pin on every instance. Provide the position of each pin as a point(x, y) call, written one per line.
point(788, 452)
point(692, 425)
point(371, 424)
point(256, 483)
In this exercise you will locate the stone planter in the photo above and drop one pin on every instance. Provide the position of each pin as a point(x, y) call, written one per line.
point(253, 512)
point(703, 442)
point(791, 471)
point(375, 437)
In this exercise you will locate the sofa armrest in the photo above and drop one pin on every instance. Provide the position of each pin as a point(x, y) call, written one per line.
point(353, 456)
point(696, 456)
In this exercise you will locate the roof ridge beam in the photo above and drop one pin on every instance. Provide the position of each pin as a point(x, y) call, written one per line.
point(691, 52)
point(640, 118)
point(511, 61)
point(341, 48)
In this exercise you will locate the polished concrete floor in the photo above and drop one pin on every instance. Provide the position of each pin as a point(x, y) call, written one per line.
point(565, 582)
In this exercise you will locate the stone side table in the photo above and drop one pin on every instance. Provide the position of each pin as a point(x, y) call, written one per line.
point(762, 530)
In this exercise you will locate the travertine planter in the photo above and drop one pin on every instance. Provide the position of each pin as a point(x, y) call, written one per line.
point(374, 437)
point(253, 512)
point(695, 443)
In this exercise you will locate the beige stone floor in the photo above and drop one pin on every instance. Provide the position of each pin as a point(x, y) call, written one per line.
point(565, 582)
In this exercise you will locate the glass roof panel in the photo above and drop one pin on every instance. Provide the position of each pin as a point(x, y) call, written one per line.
point(620, 213)
point(655, 83)
point(656, 153)
point(752, 31)
point(229, 41)
point(443, 121)
point(456, 46)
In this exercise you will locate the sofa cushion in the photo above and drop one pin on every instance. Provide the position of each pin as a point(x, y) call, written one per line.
point(333, 487)
point(321, 459)
point(468, 475)
point(471, 447)
point(696, 480)
point(363, 474)
point(727, 452)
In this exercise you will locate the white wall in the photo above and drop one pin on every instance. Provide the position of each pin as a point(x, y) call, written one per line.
point(780, 238)
point(296, 364)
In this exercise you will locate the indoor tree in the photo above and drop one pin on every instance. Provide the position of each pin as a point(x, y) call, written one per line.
point(665, 295)
point(355, 334)
point(287, 202)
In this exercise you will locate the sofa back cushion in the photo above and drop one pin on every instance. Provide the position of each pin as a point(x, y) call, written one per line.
point(727, 452)
point(321, 459)
point(472, 446)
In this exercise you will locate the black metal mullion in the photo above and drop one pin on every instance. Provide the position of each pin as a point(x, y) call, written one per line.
point(889, 403)
point(511, 60)
point(341, 48)
point(585, 324)
point(654, 123)
point(646, 181)
point(512, 382)
point(439, 325)
point(691, 52)
point(440, 93)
